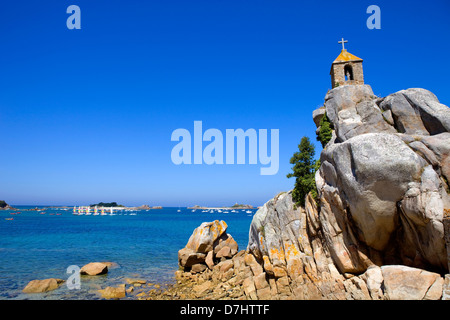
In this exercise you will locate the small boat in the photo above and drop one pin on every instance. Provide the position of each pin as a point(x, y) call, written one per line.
point(9, 219)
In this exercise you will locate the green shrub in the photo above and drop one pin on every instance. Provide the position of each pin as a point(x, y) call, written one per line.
point(325, 130)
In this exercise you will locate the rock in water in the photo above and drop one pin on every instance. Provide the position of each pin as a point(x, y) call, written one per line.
point(38, 286)
point(94, 269)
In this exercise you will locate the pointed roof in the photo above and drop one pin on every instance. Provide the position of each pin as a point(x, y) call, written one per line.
point(346, 56)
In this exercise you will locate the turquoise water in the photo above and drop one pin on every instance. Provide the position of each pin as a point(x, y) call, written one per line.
point(145, 245)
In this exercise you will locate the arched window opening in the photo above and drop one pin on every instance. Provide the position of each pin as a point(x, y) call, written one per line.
point(348, 72)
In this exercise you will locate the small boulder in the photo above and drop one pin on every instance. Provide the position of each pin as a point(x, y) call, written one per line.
point(210, 259)
point(187, 257)
point(94, 269)
point(226, 265)
point(202, 288)
point(198, 268)
point(38, 286)
point(225, 252)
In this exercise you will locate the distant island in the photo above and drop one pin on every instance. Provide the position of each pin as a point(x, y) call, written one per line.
point(235, 206)
point(115, 205)
point(106, 204)
point(5, 206)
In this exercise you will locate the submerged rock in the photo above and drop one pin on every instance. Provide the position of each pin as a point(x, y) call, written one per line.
point(113, 292)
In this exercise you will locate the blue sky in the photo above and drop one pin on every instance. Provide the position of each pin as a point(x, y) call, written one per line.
point(87, 115)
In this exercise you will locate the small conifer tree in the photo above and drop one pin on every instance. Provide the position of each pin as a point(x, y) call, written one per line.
point(304, 170)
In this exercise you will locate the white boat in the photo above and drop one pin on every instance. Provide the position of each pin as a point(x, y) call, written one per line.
point(248, 211)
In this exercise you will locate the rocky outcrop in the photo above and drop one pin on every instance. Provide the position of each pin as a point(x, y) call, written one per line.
point(39, 286)
point(377, 229)
point(382, 197)
point(387, 170)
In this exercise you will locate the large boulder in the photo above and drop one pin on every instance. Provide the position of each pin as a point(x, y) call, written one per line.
point(417, 111)
point(203, 237)
point(208, 242)
point(406, 283)
point(353, 111)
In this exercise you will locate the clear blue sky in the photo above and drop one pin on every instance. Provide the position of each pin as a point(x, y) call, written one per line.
point(86, 115)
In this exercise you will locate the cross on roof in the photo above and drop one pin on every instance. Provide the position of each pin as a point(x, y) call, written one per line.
point(343, 41)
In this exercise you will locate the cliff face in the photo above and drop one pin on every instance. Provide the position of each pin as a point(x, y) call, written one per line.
point(383, 201)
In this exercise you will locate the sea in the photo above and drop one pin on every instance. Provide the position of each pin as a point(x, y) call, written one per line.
point(144, 244)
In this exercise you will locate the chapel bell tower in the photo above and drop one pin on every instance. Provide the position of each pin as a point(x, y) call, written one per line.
point(346, 69)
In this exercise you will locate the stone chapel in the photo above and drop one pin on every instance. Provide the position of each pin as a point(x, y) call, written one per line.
point(346, 69)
